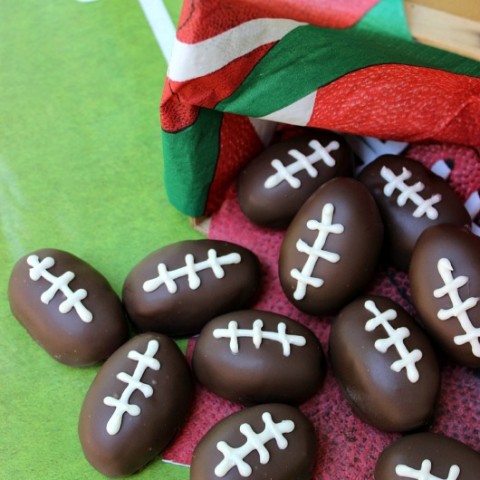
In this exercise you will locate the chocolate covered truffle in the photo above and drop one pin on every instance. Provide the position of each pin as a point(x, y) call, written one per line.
point(273, 186)
point(331, 249)
point(411, 199)
point(445, 285)
point(267, 441)
point(428, 456)
point(252, 357)
point(385, 364)
point(178, 288)
point(136, 405)
point(67, 307)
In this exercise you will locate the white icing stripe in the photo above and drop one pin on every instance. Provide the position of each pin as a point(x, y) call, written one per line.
point(459, 309)
point(297, 113)
point(234, 457)
point(396, 337)
point(302, 162)
point(193, 60)
point(134, 383)
point(425, 472)
point(161, 24)
point(73, 299)
point(258, 335)
point(190, 270)
point(409, 192)
point(315, 252)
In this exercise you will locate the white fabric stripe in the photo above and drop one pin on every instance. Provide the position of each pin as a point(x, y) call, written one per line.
point(161, 25)
point(297, 113)
point(193, 60)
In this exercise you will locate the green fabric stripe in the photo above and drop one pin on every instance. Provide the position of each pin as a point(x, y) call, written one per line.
point(191, 156)
point(310, 57)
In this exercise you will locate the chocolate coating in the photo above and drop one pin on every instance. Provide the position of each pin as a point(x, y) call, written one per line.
point(286, 369)
point(402, 225)
point(183, 304)
point(121, 448)
point(92, 326)
point(440, 456)
point(382, 386)
point(265, 195)
point(295, 460)
point(344, 259)
point(449, 255)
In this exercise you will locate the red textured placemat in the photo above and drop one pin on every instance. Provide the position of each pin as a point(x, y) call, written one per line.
point(347, 447)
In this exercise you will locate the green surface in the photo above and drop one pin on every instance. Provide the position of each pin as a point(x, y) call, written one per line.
point(81, 170)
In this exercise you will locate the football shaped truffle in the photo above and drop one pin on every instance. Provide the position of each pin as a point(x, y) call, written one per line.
point(136, 405)
point(252, 357)
point(331, 249)
point(428, 456)
point(177, 289)
point(445, 285)
point(266, 441)
point(273, 186)
point(411, 198)
point(67, 306)
point(385, 364)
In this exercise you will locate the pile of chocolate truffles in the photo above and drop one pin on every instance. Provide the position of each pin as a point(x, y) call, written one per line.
point(339, 224)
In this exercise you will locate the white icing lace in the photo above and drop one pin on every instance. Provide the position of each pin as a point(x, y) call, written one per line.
point(133, 382)
point(409, 192)
point(314, 252)
point(425, 472)
point(302, 162)
point(396, 337)
point(258, 335)
point(459, 308)
point(234, 457)
point(190, 270)
point(39, 269)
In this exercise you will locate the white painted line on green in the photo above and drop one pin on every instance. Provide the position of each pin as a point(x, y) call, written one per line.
point(161, 25)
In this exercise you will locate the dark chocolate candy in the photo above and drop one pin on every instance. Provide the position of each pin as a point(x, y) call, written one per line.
point(411, 198)
point(177, 289)
point(385, 364)
point(136, 405)
point(428, 456)
point(445, 284)
point(331, 248)
point(273, 186)
point(67, 306)
point(252, 357)
point(271, 441)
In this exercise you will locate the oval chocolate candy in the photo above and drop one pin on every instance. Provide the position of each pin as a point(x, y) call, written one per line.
point(273, 186)
point(178, 288)
point(266, 441)
point(385, 364)
point(445, 285)
point(428, 456)
point(411, 198)
point(67, 307)
point(252, 356)
point(331, 249)
point(136, 405)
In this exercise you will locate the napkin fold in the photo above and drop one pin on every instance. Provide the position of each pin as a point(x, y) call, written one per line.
point(240, 65)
